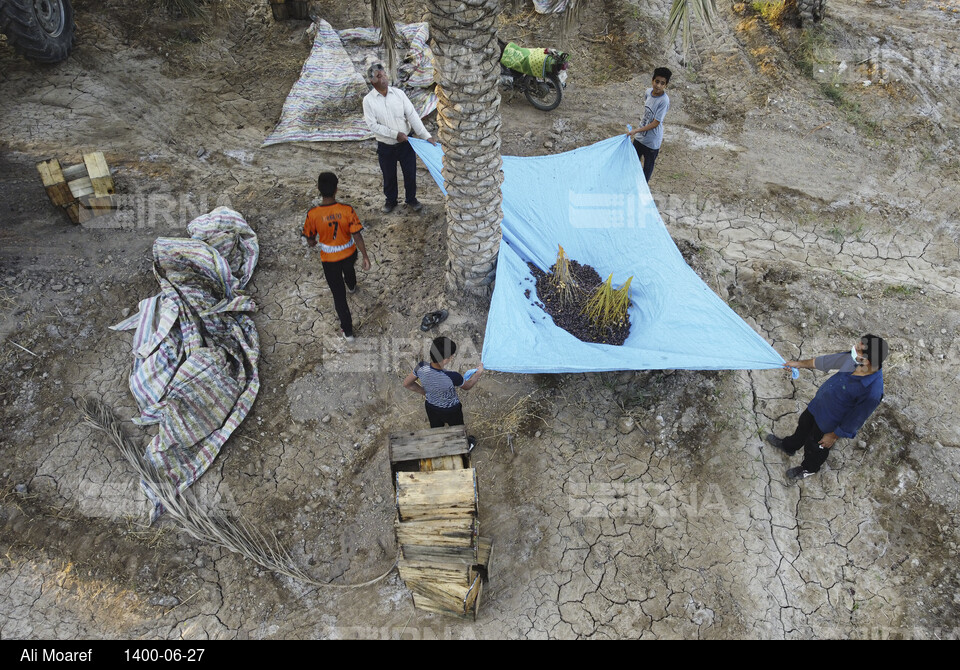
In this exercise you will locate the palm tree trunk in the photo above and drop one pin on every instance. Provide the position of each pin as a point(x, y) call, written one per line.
point(467, 57)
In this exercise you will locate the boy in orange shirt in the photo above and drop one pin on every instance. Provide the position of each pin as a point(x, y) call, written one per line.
point(336, 228)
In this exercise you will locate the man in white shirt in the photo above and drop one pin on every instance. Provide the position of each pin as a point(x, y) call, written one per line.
point(391, 117)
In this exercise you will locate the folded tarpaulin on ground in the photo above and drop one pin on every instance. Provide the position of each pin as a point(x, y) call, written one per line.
point(326, 102)
point(549, 6)
point(195, 347)
point(595, 202)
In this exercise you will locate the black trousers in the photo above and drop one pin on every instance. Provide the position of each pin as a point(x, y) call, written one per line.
point(808, 436)
point(389, 155)
point(648, 157)
point(342, 275)
point(440, 417)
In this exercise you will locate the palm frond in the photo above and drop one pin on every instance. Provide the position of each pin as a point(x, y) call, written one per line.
point(383, 19)
point(232, 533)
point(680, 13)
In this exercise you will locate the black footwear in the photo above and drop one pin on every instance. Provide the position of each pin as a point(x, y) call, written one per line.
point(416, 205)
point(471, 443)
point(351, 290)
point(433, 319)
point(387, 208)
point(777, 442)
point(798, 473)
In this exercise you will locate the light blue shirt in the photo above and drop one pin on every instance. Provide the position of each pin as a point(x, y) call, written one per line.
point(653, 108)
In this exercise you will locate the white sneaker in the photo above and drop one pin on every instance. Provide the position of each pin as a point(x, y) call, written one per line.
point(348, 338)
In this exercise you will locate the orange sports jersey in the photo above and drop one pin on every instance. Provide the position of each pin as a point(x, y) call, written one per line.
point(334, 226)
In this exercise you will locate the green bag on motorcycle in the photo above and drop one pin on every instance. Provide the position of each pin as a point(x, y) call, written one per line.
point(535, 62)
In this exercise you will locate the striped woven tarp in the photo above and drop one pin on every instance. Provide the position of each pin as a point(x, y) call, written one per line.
point(549, 6)
point(326, 102)
point(195, 346)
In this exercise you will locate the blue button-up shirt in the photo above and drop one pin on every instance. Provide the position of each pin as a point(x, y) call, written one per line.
point(844, 401)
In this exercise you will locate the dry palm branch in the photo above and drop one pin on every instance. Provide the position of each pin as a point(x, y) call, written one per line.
point(232, 533)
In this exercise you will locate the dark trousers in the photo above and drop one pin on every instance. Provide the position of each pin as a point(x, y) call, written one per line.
point(342, 275)
point(808, 436)
point(648, 157)
point(389, 155)
point(440, 417)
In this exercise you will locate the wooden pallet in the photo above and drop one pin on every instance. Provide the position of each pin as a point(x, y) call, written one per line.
point(444, 560)
point(84, 191)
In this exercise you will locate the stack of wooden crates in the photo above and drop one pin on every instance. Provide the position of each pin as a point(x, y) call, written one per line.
point(444, 561)
point(83, 191)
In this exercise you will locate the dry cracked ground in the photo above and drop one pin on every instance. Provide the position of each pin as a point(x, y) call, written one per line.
point(622, 505)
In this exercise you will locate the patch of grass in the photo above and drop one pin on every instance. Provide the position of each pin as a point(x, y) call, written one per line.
point(857, 118)
point(851, 109)
point(813, 51)
point(771, 11)
point(833, 92)
point(712, 94)
point(899, 291)
point(815, 56)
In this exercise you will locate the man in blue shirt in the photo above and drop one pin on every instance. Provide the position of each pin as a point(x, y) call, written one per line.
point(842, 403)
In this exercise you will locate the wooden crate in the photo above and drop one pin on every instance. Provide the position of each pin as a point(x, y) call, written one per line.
point(440, 494)
point(430, 443)
point(441, 555)
point(290, 9)
point(455, 573)
point(84, 191)
point(55, 183)
point(281, 12)
point(299, 9)
point(444, 560)
point(462, 532)
point(461, 600)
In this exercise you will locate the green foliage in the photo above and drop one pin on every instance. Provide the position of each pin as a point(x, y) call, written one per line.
point(607, 307)
point(815, 53)
point(772, 11)
point(899, 291)
point(832, 91)
point(679, 17)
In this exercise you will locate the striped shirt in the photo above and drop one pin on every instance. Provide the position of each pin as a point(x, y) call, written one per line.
point(440, 385)
point(334, 226)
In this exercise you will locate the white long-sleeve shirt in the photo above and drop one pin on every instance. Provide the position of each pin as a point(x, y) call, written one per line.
point(387, 115)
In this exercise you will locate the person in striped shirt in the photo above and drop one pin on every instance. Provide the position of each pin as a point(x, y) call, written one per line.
point(439, 386)
point(336, 228)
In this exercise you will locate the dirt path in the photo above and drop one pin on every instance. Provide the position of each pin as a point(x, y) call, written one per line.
point(622, 504)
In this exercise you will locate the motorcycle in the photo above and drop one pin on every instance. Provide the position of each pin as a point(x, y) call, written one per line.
point(541, 74)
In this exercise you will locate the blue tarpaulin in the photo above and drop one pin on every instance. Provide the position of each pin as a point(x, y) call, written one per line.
point(595, 203)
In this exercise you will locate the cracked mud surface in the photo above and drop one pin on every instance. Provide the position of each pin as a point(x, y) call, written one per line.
point(637, 505)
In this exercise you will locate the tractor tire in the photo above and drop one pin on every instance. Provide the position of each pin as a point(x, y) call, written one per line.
point(811, 11)
point(40, 30)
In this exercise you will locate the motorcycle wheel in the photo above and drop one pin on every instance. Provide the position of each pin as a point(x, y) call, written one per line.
point(544, 94)
point(41, 30)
